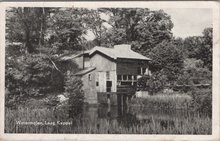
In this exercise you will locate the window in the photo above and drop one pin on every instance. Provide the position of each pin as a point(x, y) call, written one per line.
point(126, 83)
point(107, 75)
point(124, 77)
point(143, 70)
point(119, 77)
point(89, 76)
point(139, 70)
point(108, 86)
point(129, 77)
point(97, 83)
point(135, 77)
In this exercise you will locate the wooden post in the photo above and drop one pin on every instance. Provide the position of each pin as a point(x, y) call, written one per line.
point(108, 101)
point(122, 104)
point(122, 100)
point(126, 100)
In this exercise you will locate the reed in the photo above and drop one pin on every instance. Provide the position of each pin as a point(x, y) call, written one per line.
point(163, 101)
point(151, 125)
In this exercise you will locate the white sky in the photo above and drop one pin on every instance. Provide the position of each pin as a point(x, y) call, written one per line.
point(187, 21)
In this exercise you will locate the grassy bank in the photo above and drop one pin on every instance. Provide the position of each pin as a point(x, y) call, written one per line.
point(163, 101)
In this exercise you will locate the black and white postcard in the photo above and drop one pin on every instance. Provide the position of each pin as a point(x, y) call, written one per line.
point(130, 70)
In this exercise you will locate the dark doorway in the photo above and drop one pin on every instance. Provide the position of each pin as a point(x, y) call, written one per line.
point(108, 86)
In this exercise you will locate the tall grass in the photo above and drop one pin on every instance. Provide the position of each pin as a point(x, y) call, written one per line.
point(163, 101)
point(151, 125)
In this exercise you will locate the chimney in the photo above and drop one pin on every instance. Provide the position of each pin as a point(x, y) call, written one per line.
point(123, 47)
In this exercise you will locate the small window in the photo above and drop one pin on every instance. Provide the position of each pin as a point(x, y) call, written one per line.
point(126, 83)
point(143, 70)
point(107, 75)
point(139, 70)
point(129, 77)
point(97, 83)
point(124, 77)
point(135, 77)
point(119, 77)
point(89, 76)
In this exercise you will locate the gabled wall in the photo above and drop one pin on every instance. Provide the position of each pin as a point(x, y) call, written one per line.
point(103, 65)
point(79, 61)
point(89, 88)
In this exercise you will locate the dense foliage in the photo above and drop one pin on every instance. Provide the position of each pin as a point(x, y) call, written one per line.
point(36, 37)
point(73, 90)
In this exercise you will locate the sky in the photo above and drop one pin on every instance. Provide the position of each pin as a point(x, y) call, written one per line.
point(187, 21)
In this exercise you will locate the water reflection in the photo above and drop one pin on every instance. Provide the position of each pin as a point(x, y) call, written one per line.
point(107, 119)
point(133, 116)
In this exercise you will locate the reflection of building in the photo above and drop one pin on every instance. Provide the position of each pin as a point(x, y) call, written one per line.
point(109, 71)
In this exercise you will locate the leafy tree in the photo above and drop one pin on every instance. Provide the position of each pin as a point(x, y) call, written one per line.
point(32, 66)
point(26, 25)
point(142, 28)
point(95, 23)
point(65, 30)
point(205, 51)
point(167, 59)
point(200, 47)
point(194, 73)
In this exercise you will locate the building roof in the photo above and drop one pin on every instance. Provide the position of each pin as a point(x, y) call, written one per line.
point(85, 71)
point(120, 51)
point(68, 57)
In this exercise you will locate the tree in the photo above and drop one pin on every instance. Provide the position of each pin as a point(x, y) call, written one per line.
point(205, 51)
point(65, 30)
point(168, 60)
point(192, 45)
point(27, 25)
point(142, 28)
point(95, 23)
point(200, 47)
point(32, 67)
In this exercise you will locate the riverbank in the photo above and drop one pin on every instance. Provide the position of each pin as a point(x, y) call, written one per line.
point(163, 101)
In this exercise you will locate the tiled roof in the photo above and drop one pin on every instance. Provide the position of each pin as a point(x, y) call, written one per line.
point(85, 71)
point(119, 51)
point(115, 53)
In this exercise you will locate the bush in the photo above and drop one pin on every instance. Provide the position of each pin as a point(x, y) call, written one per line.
point(202, 101)
point(156, 83)
point(73, 90)
point(32, 75)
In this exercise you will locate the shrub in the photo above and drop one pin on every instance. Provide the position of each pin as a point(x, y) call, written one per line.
point(202, 101)
point(156, 83)
point(73, 90)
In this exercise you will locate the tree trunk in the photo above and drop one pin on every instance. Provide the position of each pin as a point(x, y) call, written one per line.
point(28, 43)
point(42, 28)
